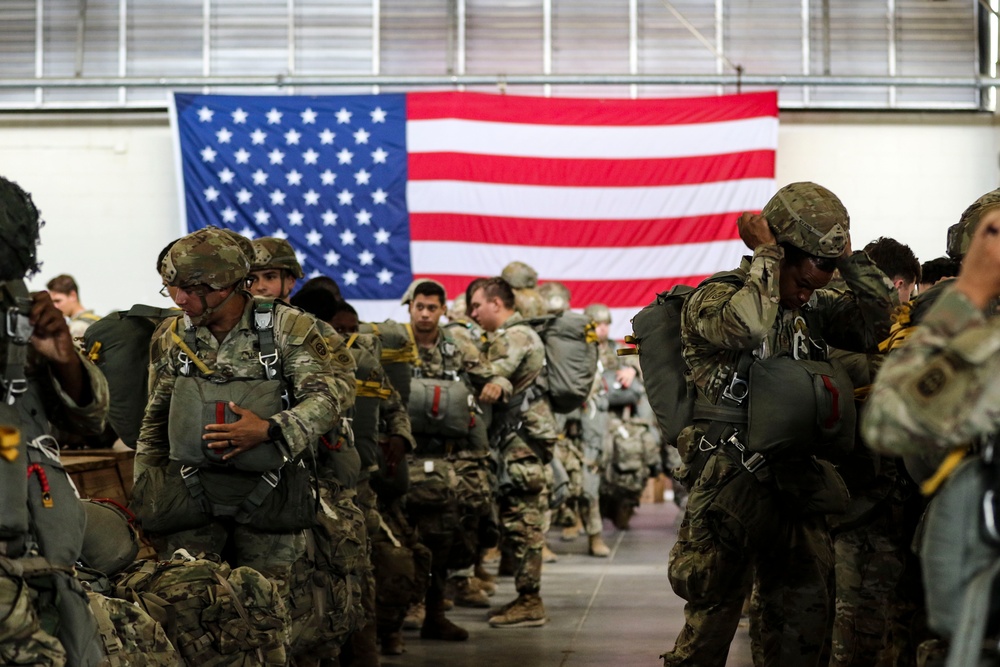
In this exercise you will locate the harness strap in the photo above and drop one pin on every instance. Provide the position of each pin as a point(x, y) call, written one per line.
point(185, 344)
point(966, 645)
point(15, 333)
point(948, 465)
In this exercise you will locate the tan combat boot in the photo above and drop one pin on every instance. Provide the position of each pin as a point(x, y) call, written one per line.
point(527, 611)
point(570, 533)
point(392, 644)
point(437, 626)
point(548, 555)
point(467, 594)
point(485, 585)
point(598, 548)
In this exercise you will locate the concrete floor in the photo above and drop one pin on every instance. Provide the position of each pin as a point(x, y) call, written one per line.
point(618, 611)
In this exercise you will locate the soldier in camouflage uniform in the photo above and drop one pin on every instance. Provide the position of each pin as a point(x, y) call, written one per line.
point(762, 526)
point(524, 437)
point(524, 280)
point(207, 272)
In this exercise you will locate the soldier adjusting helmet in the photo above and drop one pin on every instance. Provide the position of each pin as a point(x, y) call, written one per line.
point(809, 217)
point(519, 275)
point(270, 252)
point(960, 234)
point(209, 256)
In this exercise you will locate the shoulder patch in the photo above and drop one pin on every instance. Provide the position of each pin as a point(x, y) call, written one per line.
point(319, 347)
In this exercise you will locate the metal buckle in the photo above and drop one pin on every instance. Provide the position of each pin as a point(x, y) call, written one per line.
point(185, 362)
point(755, 462)
point(737, 391)
point(272, 477)
point(188, 471)
point(268, 360)
point(990, 516)
point(13, 389)
point(263, 319)
point(19, 327)
point(705, 446)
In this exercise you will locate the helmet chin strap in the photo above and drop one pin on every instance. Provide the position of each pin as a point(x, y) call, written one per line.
point(207, 310)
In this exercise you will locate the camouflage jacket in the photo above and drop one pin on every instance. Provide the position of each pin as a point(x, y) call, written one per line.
point(305, 361)
point(514, 360)
point(941, 389)
point(45, 403)
point(720, 321)
point(452, 354)
point(468, 332)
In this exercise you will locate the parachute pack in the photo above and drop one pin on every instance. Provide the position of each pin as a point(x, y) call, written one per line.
point(398, 352)
point(633, 454)
point(571, 356)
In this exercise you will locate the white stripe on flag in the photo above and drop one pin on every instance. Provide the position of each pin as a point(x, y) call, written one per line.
point(591, 141)
point(580, 203)
point(636, 263)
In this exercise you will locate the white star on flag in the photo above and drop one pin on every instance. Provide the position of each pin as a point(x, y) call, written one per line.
point(328, 177)
point(259, 177)
point(276, 156)
point(211, 194)
point(258, 136)
point(205, 114)
point(384, 276)
point(274, 117)
point(361, 136)
point(380, 196)
point(345, 156)
point(294, 177)
point(363, 217)
point(277, 197)
point(329, 218)
point(310, 156)
point(379, 155)
point(242, 156)
point(262, 217)
point(281, 234)
point(366, 257)
point(239, 116)
point(350, 277)
point(308, 116)
point(332, 258)
point(362, 177)
point(244, 196)
point(224, 136)
point(315, 273)
point(313, 237)
point(295, 218)
point(292, 137)
point(326, 137)
point(347, 237)
point(345, 198)
point(311, 197)
point(382, 237)
point(301, 256)
point(229, 214)
point(343, 116)
point(247, 232)
point(378, 115)
point(226, 176)
point(208, 154)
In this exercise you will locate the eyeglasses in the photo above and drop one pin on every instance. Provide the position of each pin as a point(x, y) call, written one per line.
point(194, 290)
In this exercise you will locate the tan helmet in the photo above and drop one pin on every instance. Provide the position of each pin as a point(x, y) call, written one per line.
point(519, 275)
point(270, 252)
point(246, 245)
point(408, 294)
point(209, 256)
point(809, 217)
point(556, 297)
point(458, 309)
point(960, 234)
point(598, 312)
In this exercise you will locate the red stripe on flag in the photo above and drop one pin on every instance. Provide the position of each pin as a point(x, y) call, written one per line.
point(572, 233)
point(590, 173)
point(612, 293)
point(584, 111)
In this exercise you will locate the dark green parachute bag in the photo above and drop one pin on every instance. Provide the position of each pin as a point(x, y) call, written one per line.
point(656, 334)
point(118, 344)
point(111, 540)
point(571, 356)
point(398, 352)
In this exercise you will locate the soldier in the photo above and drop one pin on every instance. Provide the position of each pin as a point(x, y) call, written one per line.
point(243, 472)
point(935, 270)
point(756, 521)
point(523, 280)
point(66, 297)
point(556, 297)
point(898, 262)
point(524, 433)
point(274, 268)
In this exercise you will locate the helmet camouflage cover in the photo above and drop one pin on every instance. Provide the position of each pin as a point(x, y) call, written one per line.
point(270, 252)
point(556, 296)
point(960, 234)
point(598, 312)
point(208, 256)
point(519, 275)
point(408, 294)
point(809, 217)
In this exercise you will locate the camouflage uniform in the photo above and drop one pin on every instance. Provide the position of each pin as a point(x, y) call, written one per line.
point(516, 356)
point(740, 530)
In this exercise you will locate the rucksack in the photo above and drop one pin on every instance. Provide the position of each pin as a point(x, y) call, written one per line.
point(216, 616)
point(399, 352)
point(656, 334)
point(632, 453)
point(571, 355)
point(119, 345)
point(130, 635)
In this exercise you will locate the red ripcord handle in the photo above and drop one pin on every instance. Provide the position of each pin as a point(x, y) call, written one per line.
point(43, 481)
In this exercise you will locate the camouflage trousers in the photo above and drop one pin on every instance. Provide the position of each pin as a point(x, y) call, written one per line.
point(522, 508)
point(736, 536)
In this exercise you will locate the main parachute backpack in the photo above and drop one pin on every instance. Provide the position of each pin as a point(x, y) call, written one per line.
point(571, 356)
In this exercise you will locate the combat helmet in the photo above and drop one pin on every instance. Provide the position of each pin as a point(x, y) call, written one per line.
point(519, 275)
point(598, 312)
point(209, 256)
point(960, 234)
point(556, 297)
point(408, 294)
point(458, 309)
point(809, 217)
point(270, 252)
point(19, 225)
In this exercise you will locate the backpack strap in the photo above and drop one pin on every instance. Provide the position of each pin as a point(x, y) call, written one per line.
point(966, 644)
point(263, 322)
point(15, 332)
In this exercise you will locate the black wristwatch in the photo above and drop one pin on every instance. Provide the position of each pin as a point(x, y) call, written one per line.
point(274, 431)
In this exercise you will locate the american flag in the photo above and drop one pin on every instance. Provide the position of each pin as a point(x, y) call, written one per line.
point(618, 199)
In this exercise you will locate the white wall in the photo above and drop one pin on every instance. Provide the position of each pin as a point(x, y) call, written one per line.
point(107, 189)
